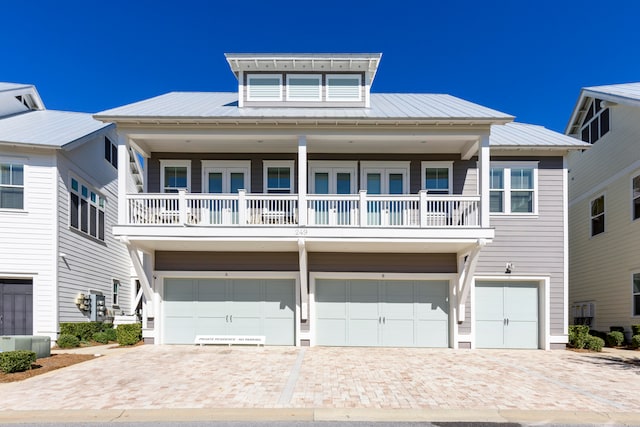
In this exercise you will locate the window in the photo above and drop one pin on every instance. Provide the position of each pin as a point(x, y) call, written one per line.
point(264, 87)
point(86, 210)
point(596, 122)
point(114, 294)
point(597, 216)
point(110, 152)
point(636, 294)
point(175, 175)
point(635, 197)
point(278, 177)
point(345, 87)
point(11, 185)
point(437, 177)
point(304, 87)
point(513, 188)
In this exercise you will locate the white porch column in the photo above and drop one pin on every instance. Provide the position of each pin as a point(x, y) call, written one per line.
point(484, 166)
point(302, 180)
point(123, 176)
point(304, 290)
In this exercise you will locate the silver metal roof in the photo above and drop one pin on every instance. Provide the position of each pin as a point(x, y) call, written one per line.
point(4, 86)
point(521, 135)
point(626, 91)
point(48, 128)
point(224, 105)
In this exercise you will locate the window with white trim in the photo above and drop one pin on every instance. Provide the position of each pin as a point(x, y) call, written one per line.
point(278, 176)
point(344, 87)
point(437, 177)
point(11, 185)
point(86, 209)
point(304, 87)
point(175, 175)
point(635, 197)
point(114, 293)
point(597, 216)
point(636, 293)
point(596, 122)
point(513, 188)
point(110, 152)
point(264, 87)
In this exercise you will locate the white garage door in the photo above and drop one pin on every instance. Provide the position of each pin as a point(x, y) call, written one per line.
point(506, 315)
point(391, 313)
point(229, 307)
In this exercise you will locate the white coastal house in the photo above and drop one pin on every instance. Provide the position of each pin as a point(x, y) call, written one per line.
point(306, 209)
point(58, 204)
point(604, 208)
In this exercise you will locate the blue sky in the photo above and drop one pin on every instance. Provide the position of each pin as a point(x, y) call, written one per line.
point(525, 58)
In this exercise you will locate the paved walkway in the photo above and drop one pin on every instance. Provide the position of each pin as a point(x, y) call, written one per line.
point(344, 382)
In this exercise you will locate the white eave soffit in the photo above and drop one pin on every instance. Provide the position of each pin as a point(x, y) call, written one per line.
point(304, 62)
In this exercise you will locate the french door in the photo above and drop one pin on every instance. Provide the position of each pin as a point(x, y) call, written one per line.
point(326, 179)
point(380, 180)
point(224, 178)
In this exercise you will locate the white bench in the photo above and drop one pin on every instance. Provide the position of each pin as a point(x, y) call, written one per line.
point(230, 339)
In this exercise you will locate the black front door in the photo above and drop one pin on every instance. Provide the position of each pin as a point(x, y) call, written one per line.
point(16, 307)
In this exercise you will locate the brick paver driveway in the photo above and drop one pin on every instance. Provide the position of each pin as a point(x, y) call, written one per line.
point(150, 377)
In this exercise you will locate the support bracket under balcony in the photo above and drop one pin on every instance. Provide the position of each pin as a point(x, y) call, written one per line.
point(467, 262)
point(142, 277)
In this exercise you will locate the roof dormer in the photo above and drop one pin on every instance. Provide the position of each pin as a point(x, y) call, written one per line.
point(304, 79)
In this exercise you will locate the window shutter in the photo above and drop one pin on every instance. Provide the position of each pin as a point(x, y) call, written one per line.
point(341, 88)
point(265, 88)
point(303, 88)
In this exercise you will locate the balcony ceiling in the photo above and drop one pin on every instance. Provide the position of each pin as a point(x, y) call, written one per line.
point(234, 143)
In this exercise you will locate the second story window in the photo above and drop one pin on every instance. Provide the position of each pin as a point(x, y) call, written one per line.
point(635, 209)
point(278, 177)
point(175, 175)
point(513, 189)
point(264, 87)
point(86, 209)
point(597, 216)
point(11, 185)
point(596, 122)
point(436, 177)
point(110, 152)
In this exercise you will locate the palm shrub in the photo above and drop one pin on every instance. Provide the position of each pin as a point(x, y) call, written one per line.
point(615, 339)
point(16, 361)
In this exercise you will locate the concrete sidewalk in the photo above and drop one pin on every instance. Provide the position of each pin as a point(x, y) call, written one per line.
point(150, 383)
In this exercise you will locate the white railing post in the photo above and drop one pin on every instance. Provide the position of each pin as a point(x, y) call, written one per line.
point(242, 207)
point(363, 208)
point(182, 206)
point(423, 208)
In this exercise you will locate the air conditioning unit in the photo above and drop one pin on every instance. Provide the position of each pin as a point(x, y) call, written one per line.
point(588, 310)
point(38, 344)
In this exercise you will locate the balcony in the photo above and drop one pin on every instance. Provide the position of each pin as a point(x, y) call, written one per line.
point(283, 210)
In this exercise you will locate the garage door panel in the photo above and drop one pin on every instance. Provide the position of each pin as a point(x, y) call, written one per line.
point(399, 301)
point(330, 299)
point(363, 332)
point(522, 334)
point(213, 325)
point(331, 331)
point(432, 333)
point(279, 301)
point(398, 333)
point(278, 331)
point(180, 330)
point(521, 303)
point(490, 334)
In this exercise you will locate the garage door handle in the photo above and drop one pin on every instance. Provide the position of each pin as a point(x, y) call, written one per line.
point(231, 318)
point(226, 318)
point(384, 320)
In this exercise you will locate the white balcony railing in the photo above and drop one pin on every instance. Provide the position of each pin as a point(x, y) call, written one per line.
point(322, 210)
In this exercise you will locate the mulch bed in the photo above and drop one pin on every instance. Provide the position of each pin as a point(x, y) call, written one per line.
point(46, 364)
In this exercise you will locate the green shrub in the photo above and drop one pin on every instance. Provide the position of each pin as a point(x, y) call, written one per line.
point(616, 328)
point(635, 330)
point(16, 361)
point(594, 343)
point(578, 335)
point(635, 341)
point(83, 330)
point(101, 337)
point(615, 339)
point(68, 341)
point(129, 334)
point(112, 335)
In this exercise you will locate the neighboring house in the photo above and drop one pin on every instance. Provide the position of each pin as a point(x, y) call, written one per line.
point(604, 208)
point(308, 210)
point(58, 203)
